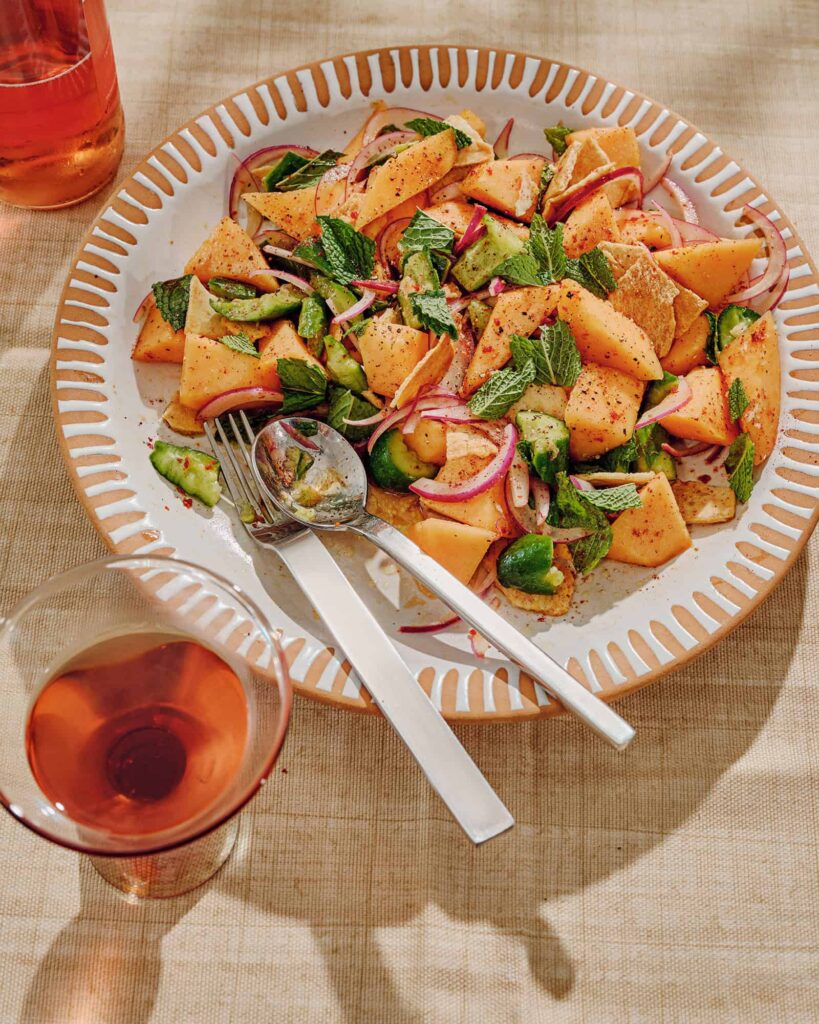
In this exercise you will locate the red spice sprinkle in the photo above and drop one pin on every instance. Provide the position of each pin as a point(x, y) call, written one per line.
point(186, 463)
point(704, 478)
point(187, 502)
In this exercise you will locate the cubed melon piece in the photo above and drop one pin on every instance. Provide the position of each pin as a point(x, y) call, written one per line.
point(458, 547)
point(753, 358)
point(401, 510)
point(400, 212)
point(642, 226)
point(228, 252)
point(158, 342)
point(407, 174)
point(605, 336)
point(293, 212)
point(618, 143)
point(428, 441)
point(487, 511)
point(517, 311)
point(511, 186)
point(590, 222)
point(601, 411)
point(211, 368)
point(653, 533)
point(282, 342)
point(456, 215)
point(390, 353)
point(688, 350)
point(711, 269)
point(426, 373)
point(705, 417)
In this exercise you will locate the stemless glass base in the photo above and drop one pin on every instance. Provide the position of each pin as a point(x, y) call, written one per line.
point(174, 872)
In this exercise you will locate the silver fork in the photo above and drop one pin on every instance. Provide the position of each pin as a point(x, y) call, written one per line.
point(450, 770)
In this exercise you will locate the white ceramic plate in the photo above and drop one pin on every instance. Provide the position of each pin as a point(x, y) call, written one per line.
point(628, 625)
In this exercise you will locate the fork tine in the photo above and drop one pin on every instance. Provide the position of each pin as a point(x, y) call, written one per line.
point(250, 476)
point(227, 473)
point(244, 492)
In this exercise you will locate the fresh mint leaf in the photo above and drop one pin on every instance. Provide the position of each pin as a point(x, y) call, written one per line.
point(542, 259)
point(712, 349)
point(239, 343)
point(172, 298)
point(614, 499)
point(304, 384)
point(556, 137)
point(562, 358)
point(288, 164)
point(429, 126)
point(424, 233)
point(311, 173)
point(572, 509)
point(522, 269)
point(593, 272)
point(737, 399)
point(739, 465)
point(433, 312)
point(619, 459)
point(347, 254)
point(344, 405)
point(501, 391)
point(546, 176)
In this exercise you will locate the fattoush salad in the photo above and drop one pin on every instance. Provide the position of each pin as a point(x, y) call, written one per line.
point(524, 348)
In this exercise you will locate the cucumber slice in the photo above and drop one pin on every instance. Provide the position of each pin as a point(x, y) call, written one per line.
point(197, 473)
point(650, 456)
point(478, 263)
point(544, 443)
point(269, 306)
point(527, 565)
point(335, 295)
point(419, 276)
point(478, 313)
point(659, 389)
point(313, 323)
point(394, 466)
point(342, 368)
point(732, 321)
point(227, 288)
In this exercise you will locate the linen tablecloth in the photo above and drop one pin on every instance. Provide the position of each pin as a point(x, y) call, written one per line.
point(675, 882)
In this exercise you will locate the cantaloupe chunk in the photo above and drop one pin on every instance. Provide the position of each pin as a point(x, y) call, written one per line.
point(407, 174)
point(390, 353)
point(705, 417)
point(426, 373)
point(158, 342)
point(228, 252)
point(456, 215)
point(619, 143)
point(590, 222)
point(688, 351)
point(401, 510)
point(282, 342)
point(517, 311)
point(458, 547)
point(293, 212)
point(601, 411)
point(428, 441)
point(641, 226)
point(511, 186)
point(654, 532)
point(711, 269)
point(211, 368)
point(487, 511)
point(605, 336)
point(753, 358)
point(400, 212)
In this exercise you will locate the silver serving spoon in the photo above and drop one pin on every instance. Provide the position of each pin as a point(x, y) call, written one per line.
point(332, 494)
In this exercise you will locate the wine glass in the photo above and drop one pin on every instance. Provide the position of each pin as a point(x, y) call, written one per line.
point(145, 702)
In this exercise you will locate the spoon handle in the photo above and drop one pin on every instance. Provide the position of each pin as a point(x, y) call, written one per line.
point(472, 609)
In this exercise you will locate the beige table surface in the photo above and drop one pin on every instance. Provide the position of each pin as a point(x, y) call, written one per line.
point(677, 882)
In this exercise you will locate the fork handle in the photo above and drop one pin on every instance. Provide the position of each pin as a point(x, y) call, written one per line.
point(451, 771)
point(572, 695)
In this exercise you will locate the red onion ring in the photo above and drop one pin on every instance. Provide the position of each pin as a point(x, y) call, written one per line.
point(364, 303)
point(283, 254)
point(426, 402)
point(679, 397)
point(682, 453)
point(432, 627)
point(326, 191)
point(284, 275)
point(530, 156)
point(391, 421)
point(451, 414)
point(238, 398)
point(668, 223)
point(581, 485)
point(474, 230)
point(501, 143)
point(561, 211)
point(518, 480)
point(253, 161)
point(496, 286)
point(298, 437)
point(657, 176)
point(388, 287)
point(456, 305)
point(369, 421)
point(543, 501)
point(762, 306)
point(385, 238)
point(380, 146)
point(777, 259)
point(489, 475)
point(693, 234)
point(689, 211)
point(397, 116)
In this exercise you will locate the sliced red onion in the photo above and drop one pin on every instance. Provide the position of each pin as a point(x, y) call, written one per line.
point(364, 303)
point(431, 627)
point(679, 397)
point(561, 212)
point(762, 305)
point(370, 421)
point(381, 146)
point(284, 275)
point(391, 421)
point(437, 491)
point(425, 402)
point(496, 286)
point(451, 414)
point(681, 453)
point(689, 211)
point(268, 154)
point(298, 437)
point(388, 236)
point(657, 176)
point(480, 645)
point(329, 196)
point(388, 287)
point(474, 230)
point(243, 180)
point(239, 398)
point(543, 501)
point(518, 480)
point(397, 116)
point(447, 193)
point(142, 309)
point(501, 143)
point(694, 234)
point(456, 305)
point(714, 458)
point(529, 156)
point(284, 254)
point(669, 224)
point(568, 534)
point(580, 484)
point(777, 257)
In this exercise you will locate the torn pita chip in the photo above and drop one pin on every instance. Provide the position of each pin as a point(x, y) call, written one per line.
point(478, 152)
point(399, 510)
point(589, 159)
point(462, 441)
point(551, 203)
point(564, 171)
point(181, 419)
point(704, 504)
point(687, 307)
point(621, 256)
point(646, 295)
point(426, 373)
